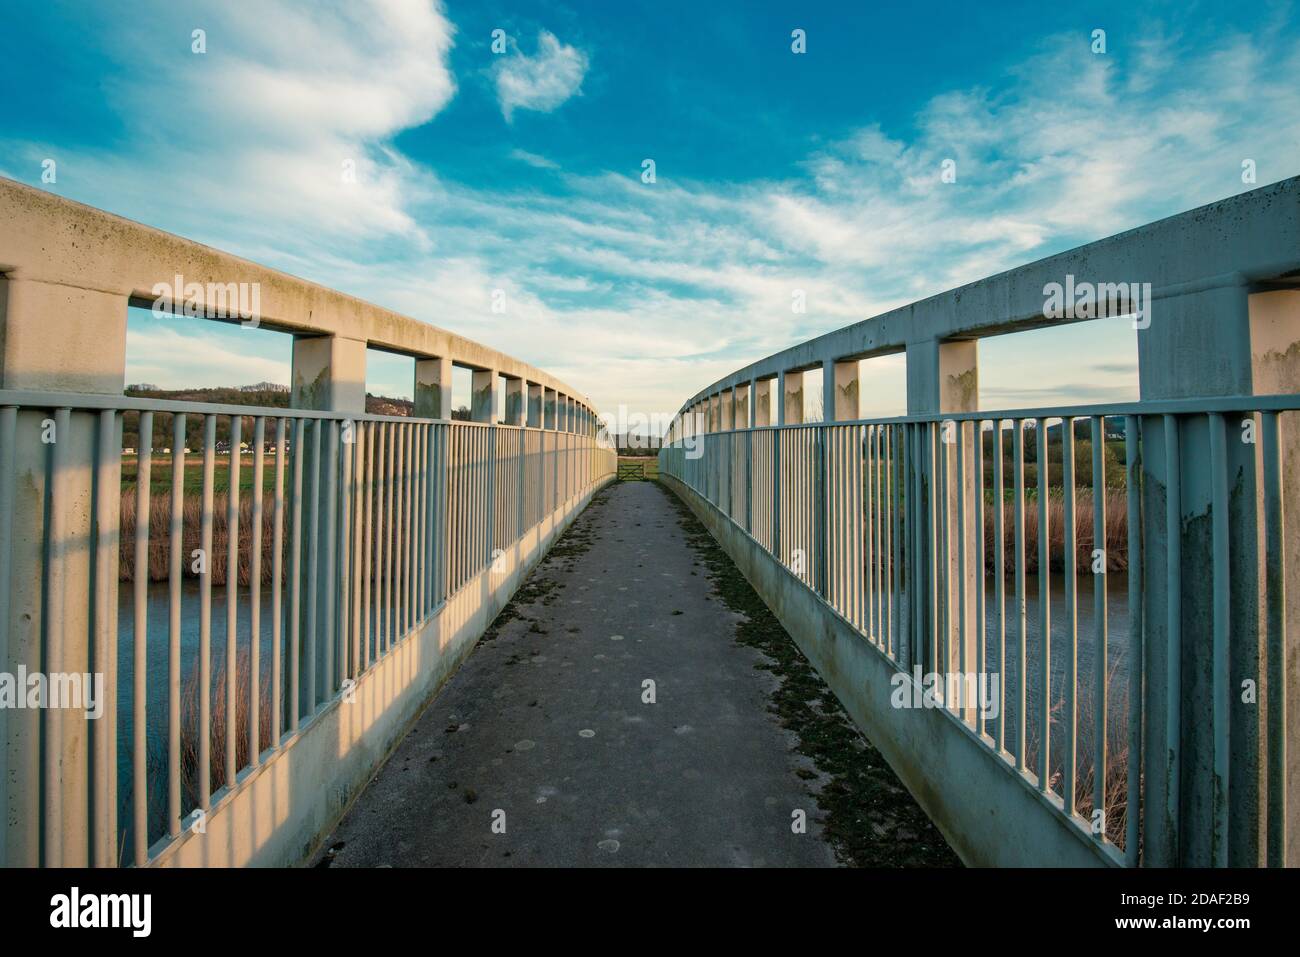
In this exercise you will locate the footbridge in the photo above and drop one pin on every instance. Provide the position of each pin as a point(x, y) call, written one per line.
point(1051, 636)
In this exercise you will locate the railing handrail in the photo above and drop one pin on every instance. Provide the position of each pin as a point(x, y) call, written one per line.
point(1281, 402)
point(49, 239)
point(1252, 240)
point(128, 403)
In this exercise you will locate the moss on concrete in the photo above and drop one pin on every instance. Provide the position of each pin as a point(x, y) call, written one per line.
point(870, 818)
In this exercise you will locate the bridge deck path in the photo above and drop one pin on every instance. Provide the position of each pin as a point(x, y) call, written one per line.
point(546, 722)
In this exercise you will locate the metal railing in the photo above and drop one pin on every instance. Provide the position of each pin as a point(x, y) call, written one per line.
point(338, 541)
point(881, 517)
point(343, 556)
point(1120, 570)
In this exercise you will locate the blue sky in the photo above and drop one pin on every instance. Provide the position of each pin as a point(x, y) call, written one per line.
point(521, 171)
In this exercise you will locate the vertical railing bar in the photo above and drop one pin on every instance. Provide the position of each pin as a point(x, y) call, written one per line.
point(1044, 606)
point(963, 666)
point(343, 632)
point(205, 614)
point(456, 504)
point(313, 636)
point(56, 584)
point(400, 523)
point(1000, 580)
point(368, 579)
point(255, 595)
point(379, 577)
point(1068, 560)
point(358, 545)
point(1275, 638)
point(898, 465)
point(914, 442)
point(1022, 604)
point(328, 640)
point(277, 574)
point(938, 458)
point(434, 543)
point(865, 455)
point(175, 559)
point(106, 840)
point(1100, 611)
point(421, 498)
point(232, 599)
point(295, 575)
point(140, 581)
point(1221, 578)
point(390, 531)
point(944, 511)
point(1137, 641)
point(1173, 622)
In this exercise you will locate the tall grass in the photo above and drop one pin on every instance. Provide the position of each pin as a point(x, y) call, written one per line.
point(1115, 545)
point(160, 517)
point(220, 725)
point(1115, 815)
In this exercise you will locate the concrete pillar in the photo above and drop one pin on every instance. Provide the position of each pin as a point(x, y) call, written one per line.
point(944, 377)
point(744, 408)
point(828, 390)
point(1218, 341)
point(548, 409)
point(1275, 361)
point(433, 388)
point(843, 396)
point(57, 338)
point(762, 414)
point(727, 399)
point(534, 405)
point(483, 396)
point(516, 406)
point(329, 372)
point(790, 398)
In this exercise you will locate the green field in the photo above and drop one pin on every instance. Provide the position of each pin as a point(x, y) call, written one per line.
point(160, 473)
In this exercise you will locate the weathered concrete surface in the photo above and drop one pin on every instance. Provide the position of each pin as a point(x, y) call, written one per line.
point(990, 814)
point(69, 267)
point(704, 776)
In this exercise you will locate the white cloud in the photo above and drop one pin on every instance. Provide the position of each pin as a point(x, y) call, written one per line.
point(541, 82)
point(259, 128)
point(532, 159)
point(191, 358)
point(643, 294)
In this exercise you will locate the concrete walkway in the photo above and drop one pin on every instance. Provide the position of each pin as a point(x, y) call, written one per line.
point(607, 719)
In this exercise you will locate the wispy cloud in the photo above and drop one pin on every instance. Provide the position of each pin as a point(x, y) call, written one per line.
point(541, 82)
point(534, 160)
point(287, 118)
point(643, 293)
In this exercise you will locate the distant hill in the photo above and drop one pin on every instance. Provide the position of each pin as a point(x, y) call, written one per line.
point(264, 394)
